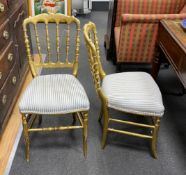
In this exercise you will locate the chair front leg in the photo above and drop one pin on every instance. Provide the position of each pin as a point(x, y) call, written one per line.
point(85, 133)
point(155, 137)
point(105, 125)
point(26, 137)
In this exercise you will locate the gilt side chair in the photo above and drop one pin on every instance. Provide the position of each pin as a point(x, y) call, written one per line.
point(53, 94)
point(129, 92)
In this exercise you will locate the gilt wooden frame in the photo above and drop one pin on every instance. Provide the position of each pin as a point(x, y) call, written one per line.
point(68, 6)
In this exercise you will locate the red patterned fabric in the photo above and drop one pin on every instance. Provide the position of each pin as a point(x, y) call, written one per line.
point(136, 26)
point(138, 34)
point(116, 36)
point(183, 9)
point(147, 18)
point(148, 7)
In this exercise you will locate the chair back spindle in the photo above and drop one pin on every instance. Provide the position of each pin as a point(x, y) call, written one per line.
point(48, 42)
point(57, 42)
point(38, 42)
point(67, 42)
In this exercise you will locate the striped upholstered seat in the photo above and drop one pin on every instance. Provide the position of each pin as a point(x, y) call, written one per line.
point(133, 92)
point(54, 94)
point(136, 27)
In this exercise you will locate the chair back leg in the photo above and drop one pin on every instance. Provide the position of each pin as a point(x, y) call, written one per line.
point(85, 133)
point(155, 137)
point(105, 125)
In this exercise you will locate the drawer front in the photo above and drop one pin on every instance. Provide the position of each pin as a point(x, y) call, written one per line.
point(5, 34)
point(7, 92)
point(7, 59)
point(3, 7)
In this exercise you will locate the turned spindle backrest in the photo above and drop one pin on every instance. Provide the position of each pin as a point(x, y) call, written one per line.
point(50, 62)
point(92, 44)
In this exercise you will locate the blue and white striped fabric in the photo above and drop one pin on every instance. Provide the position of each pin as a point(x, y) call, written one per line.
point(54, 94)
point(133, 92)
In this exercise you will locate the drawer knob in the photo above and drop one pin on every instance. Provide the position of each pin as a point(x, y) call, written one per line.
point(4, 99)
point(10, 57)
point(2, 7)
point(6, 35)
point(1, 74)
point(14, 80)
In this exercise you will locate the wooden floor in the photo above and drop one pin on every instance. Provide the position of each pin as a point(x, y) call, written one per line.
point(9, 135)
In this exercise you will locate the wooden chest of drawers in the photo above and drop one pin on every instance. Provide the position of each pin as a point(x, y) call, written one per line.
point(13, 63)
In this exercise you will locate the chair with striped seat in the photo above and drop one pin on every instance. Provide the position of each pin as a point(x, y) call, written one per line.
point(53, 94)
point(129, 92)
point(136, 28)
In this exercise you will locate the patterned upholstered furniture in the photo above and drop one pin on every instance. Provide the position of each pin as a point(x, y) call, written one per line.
point(130, 92)
point(53, 94)
point(136, 27)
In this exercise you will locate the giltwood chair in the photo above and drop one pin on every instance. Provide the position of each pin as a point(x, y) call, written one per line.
point(54, 94)
point(129, 92)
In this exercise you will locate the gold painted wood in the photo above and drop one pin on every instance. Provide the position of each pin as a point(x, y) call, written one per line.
point(132, 123)
point(90, 35)
point(130, 133)
point(67, 42)
point(94, 57)
point(85, 132)
point(48, 42)
point(155, 137)
point(32, 121)
point(69, 7)
point(55, 19)
point(38, 43)
point(29, 7)
point(26, 136)
point(57, 42)
point(61, 128)
point(80, 118)
point(27, 129)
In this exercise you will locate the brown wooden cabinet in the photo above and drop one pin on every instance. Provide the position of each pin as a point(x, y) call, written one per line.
point(13, 62)
point(172, 42)
point(17, 20)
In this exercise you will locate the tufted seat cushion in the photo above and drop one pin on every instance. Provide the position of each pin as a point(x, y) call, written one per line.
point(134, 92)
point(54, 94)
